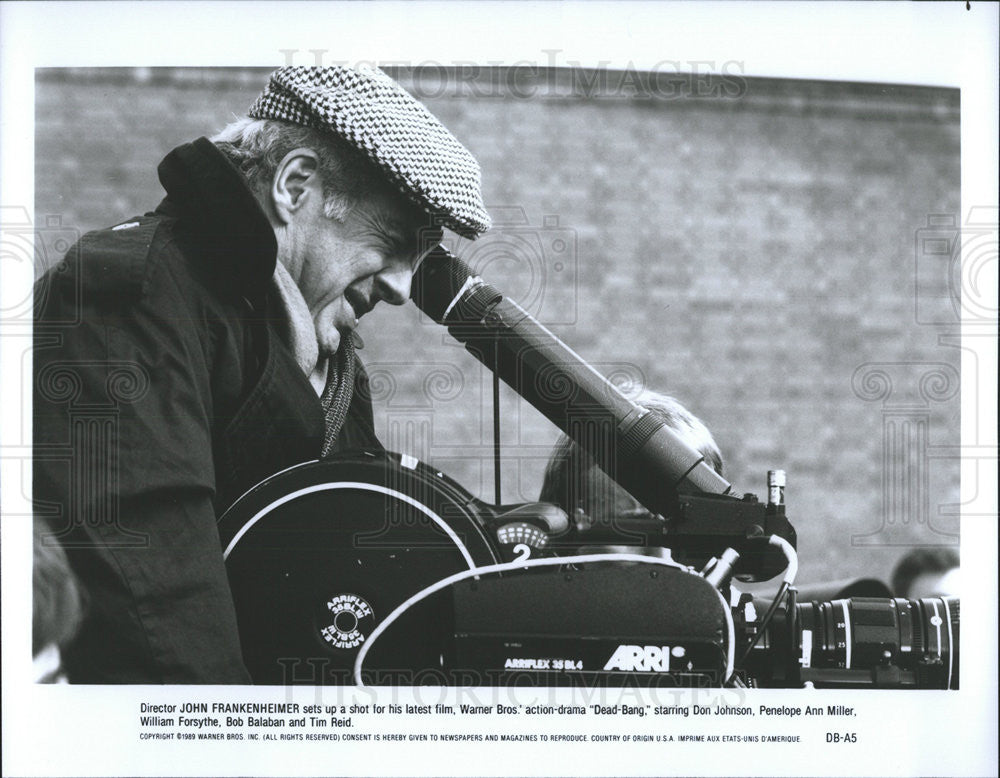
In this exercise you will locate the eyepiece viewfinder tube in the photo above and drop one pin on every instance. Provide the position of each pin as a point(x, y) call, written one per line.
point(630, 443)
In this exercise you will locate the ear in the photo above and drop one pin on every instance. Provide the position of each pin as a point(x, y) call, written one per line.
point(296, 182)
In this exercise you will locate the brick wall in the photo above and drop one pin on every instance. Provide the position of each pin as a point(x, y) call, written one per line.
point(750, 246)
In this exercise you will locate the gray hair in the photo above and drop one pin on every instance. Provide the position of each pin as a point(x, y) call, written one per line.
point(257, 146)
point(688, 427)
point(566, 474)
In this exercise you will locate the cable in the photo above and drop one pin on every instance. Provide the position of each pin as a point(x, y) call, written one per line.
point(791, 570)
point(496, 419)
point(522, 565)
point(793, 559)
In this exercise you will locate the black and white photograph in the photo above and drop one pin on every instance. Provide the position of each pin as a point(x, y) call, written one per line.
point(414, 389)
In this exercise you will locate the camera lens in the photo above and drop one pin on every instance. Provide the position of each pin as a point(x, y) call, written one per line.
point(877, 642)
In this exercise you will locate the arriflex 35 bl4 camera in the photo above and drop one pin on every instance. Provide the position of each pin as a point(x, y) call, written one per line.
point(375, 568)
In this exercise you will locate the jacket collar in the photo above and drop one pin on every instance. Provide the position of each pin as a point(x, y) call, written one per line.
point(216, 208)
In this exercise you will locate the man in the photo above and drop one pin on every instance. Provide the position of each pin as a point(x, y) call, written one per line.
point(185, 355)
point(927, 572)
point(56, 607)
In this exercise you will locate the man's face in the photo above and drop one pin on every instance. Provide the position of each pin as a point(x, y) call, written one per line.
point(349, 266)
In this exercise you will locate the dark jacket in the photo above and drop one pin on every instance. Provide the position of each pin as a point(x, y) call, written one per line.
point(163, 392)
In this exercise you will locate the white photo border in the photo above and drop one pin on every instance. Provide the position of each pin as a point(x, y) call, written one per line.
point(72, 730)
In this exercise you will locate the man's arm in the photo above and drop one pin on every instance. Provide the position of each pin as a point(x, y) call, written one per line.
point(124, 467)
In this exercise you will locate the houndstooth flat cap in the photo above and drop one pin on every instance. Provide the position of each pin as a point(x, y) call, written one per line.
point(397, 133)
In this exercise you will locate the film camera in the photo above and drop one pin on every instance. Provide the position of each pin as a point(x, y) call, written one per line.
point(374, 568)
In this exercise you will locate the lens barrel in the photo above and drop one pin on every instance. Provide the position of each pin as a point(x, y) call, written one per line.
point(862, 642)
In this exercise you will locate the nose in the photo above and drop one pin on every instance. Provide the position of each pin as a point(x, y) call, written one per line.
point(392, 284)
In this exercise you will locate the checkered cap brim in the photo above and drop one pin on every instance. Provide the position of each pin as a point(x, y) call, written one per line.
point(375, 115)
